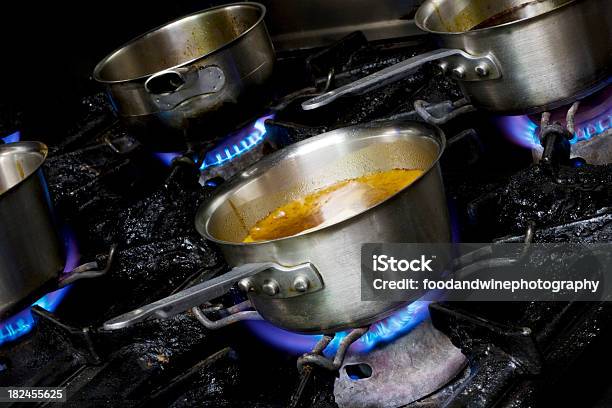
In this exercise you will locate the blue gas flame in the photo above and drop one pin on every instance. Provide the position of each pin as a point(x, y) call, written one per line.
point(394, 326)
point(12, 138)
point(237, 144)
point(232, 146)
point(523, 131)
point(22, 322)
point(166, 158)
point(382, 332)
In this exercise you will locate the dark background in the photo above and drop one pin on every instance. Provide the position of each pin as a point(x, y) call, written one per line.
point(49, 51)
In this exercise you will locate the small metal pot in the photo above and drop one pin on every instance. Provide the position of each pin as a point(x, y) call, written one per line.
point(194, 69)
point(31, 252)
point(509, 56)
point(311, 282)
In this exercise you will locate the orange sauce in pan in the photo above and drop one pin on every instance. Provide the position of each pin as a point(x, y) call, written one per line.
point(331, 204)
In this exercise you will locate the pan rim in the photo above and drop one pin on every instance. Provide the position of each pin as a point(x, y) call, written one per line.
point(419, 19)
point(100, 65)
point(207, 209)
point(25, 146)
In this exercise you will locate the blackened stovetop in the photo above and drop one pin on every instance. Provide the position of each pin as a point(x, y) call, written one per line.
point(109, 190)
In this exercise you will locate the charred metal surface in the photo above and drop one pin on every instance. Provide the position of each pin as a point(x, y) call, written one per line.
point(353, 62)
point(144, 273)
point(488, 380)
point(111, 190)
point(42, 359)
point(533, 195)
point(228, 378)
point(79, 339)
point(474, 335)
point(164, 214)
point(568, 356)
point(519, 350)
point(152, 355)
point(74, 174)
point(589, 230)
point(97, 116)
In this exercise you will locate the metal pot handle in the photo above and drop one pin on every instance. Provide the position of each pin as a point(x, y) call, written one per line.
point(167, 82)
point(173, 86)
point(481, 259)
point(203, 292)
point(236, 313)
point(462, 65)
point(88, 270)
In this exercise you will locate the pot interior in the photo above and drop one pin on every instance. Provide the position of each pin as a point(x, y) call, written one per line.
point(313, 164)
point(18, 161)
point(179, 42)
point(455, 16)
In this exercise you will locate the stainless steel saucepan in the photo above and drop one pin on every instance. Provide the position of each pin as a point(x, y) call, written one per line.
point(311, 282)
point(31, 252)
point(195, 68)
point(509, 56)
